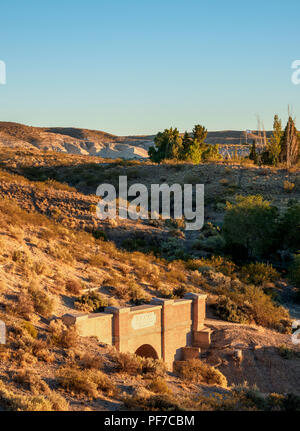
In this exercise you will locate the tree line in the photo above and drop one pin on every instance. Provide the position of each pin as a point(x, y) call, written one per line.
point(191, 147)
point(282, 147)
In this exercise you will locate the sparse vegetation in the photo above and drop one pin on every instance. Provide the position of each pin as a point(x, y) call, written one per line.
point(54, 261)
point(198, 371)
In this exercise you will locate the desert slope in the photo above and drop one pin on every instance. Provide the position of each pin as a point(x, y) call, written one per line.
point(73, 141)
point(97, 143)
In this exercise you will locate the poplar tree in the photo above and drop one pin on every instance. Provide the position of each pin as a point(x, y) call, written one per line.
point(274, 143)
point(289, 153)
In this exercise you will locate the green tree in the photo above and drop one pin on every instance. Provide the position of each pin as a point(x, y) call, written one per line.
point(290, 144)
point(274, 143)
point(197, 149)
point(186, 143)
point(211, 152)
point(250, 224)
point(294, 273)
point(253, 152)
point(199, 133)
point(168, 145)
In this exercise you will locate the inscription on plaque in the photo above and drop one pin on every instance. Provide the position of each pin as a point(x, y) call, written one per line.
point(145, 320)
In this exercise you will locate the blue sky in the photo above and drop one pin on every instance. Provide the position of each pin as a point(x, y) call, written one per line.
point(135, 67)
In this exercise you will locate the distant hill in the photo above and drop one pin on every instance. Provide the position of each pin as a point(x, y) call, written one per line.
point(95, 142)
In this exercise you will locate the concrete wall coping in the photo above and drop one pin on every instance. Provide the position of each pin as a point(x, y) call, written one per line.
point(117, 310)
point(98, 315)
point(192, 295)
point(146, 307)
point(77, 315)
point(182, 301)
point(162, 301)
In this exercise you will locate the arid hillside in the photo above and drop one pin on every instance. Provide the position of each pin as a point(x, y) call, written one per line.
point(97, 143)
point(57, 257)
point(73, 141)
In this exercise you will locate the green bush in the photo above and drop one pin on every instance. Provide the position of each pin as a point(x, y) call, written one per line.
point(100, 234)
point(91, 302)
point(250, 224)
point(258, 273)
point(248, 303)
point(290, 228)
point(28, 326)
point(294, 272)
point(288, 353)
point(228, 310)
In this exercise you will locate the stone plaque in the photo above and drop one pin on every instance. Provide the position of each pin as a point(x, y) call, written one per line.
point(144, 320)
point(2, 332)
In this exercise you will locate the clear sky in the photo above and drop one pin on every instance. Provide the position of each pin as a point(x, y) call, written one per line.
point(139, 66)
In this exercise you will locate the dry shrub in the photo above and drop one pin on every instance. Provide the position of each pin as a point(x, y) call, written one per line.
point(40, 349)
point(121, 291)
point(61, 252)
point(24, 403)
point(158, 385)
point(73, 286)
point(16, 233)
point(24, 306)
point(31, 381)
point(197, 279)
point(131, 291)
point(27, 349)
point(164, 402)
point(176, 273)
point(137, 294)
point(90, 361)
point(42, 302)
point(62, 336)
point(165, 291)
point(39, 268)
point(100, 261)
point(85, 382)
point(2, 286)
point(133, 364)
point(288, 186)
point(33, 299)
point(59, 403)
point(199, 372)
point(32, 331)
point(50, 402)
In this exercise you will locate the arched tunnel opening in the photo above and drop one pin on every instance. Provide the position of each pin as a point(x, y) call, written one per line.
point(146, 351)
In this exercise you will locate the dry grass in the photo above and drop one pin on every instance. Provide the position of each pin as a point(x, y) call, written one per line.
point(133, 365)
point(198, 371)
point(85, 382)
